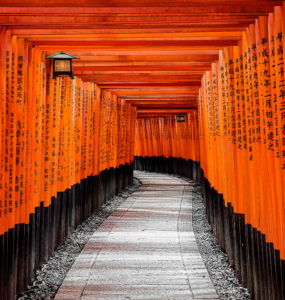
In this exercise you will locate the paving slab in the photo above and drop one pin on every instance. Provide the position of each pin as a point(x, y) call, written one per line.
point(145, 250)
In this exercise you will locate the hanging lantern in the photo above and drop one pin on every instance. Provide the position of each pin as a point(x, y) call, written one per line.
point(180, 118)
point(62, 64)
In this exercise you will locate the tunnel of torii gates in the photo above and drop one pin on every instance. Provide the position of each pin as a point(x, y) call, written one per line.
point(68, 145)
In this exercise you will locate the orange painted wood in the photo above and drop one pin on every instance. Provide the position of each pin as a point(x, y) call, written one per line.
point(150, 60)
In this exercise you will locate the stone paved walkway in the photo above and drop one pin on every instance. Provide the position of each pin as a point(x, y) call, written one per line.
point(145, 250)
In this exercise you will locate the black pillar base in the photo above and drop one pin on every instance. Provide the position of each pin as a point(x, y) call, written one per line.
point(24, 248)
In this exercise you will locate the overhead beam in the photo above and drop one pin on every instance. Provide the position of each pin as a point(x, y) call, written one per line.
point(194, 9)
point(163, 110)
point(131, 3)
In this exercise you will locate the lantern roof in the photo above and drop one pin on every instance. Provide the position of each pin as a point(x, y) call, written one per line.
point(62, 55)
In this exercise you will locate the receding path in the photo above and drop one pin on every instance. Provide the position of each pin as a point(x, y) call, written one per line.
point(145, 250)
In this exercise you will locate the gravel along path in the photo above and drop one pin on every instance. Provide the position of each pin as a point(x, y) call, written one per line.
point(51, 275)
point(216, 261)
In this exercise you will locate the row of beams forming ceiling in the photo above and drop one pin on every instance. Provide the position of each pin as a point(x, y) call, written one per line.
point(151, 53)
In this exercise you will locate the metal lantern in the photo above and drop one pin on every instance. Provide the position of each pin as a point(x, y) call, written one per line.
point(180, 118)
point(62, 64)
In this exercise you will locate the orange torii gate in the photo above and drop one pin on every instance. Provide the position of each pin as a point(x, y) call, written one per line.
point(67, 145)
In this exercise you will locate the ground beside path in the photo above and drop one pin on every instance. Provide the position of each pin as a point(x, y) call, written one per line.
point(145, 250)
